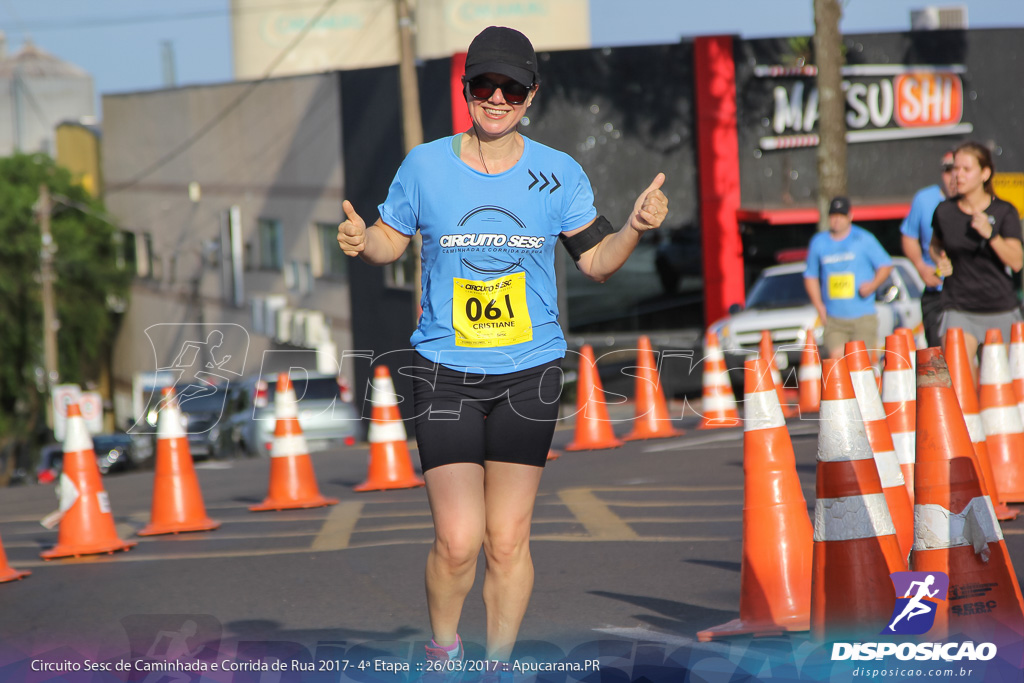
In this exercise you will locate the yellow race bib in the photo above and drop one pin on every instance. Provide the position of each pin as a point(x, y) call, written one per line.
point(841, 286)
point(489, 313)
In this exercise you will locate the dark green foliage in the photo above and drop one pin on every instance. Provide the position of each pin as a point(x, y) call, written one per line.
point(87, 279)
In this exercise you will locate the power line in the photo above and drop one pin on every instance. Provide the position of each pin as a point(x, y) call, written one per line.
point(223, 114)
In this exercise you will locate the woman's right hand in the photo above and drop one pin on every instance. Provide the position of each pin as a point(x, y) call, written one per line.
point(352, 231)
point(943, 265)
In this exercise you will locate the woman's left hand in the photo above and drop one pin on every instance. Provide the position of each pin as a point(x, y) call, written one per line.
point(982, 225)
point(651, 207)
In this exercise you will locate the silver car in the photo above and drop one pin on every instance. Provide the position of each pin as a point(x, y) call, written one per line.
point(326, 420)
point(778, 302)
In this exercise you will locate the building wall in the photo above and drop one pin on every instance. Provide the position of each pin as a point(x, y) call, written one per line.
point(32, 106)
point(274, 152)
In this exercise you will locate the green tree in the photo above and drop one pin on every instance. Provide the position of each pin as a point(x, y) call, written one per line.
point(88, 279)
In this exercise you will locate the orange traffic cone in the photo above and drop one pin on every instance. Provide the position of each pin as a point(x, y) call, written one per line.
point(1017, 364)
point(809, 376)
point(593, 426)
point(553, 454)
point(855, 546)
point(390, 464)
point(767, 351)
point(956, 531)
point(177, 501)
point(775, 574)
point(292, 480)
point(899, 401)
point(7, 572)
point(652, 420)
point(865, 387)
point(86, 523)
point(908, 334)
point(719, 405)
point(1004, 431)
point(963, 385)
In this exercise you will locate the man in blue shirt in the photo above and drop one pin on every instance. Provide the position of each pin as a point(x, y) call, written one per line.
point(917, 236)
point(844, 268)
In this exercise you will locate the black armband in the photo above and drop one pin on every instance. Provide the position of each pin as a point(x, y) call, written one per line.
point(588, 238)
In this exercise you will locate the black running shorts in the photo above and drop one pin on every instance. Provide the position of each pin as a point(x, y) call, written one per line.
point(468, 417)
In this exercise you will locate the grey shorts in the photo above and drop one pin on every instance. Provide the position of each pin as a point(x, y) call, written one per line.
point(978, 324)
point(838, 331)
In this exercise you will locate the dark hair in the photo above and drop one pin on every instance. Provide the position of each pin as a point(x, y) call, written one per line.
point(984, 157)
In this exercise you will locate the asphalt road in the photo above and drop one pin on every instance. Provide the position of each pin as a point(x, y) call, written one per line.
point(636, 549)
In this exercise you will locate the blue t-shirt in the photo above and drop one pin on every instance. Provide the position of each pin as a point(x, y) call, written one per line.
point(842, 267)
point(918, 223)
point(490, 302)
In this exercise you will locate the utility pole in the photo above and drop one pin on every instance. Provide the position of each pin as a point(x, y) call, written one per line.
point(412, 122)
point(832, 105)
point(43, 209)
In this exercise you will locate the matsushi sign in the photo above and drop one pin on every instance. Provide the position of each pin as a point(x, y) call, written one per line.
point(883, 102)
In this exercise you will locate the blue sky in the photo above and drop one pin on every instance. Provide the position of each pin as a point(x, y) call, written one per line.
point(119, 41)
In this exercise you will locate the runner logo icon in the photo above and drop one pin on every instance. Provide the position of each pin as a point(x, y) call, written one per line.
point(917, 599)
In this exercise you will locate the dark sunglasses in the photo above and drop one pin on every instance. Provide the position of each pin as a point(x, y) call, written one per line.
point(481, 88)
point(946, 168)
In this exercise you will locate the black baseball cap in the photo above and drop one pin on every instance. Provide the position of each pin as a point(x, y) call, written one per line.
point(839, 205)
point(505, 51)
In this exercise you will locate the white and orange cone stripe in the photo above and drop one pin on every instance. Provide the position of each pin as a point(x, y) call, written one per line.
point(838, 515)
point(718, 407)
point(386, 424)
point(899, 401)
point(1001, 418)
point(1017, 364)
point(288, 437)
point(809, 375)
point(865, 386)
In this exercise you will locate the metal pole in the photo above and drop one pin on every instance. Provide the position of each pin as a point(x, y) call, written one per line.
point(46, 277)
point(412, 123)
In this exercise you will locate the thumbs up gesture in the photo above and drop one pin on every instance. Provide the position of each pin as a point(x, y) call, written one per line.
point(651, 207)
point(352, 231)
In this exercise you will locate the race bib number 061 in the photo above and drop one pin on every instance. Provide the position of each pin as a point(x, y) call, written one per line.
point(491, 312)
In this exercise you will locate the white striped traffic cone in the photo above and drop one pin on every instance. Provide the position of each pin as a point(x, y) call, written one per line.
point(292, 480)
point(855, 546)
point(719, 404)
point(390, 464)
point(1004, 429)
point(865, 386)
point(899, 401)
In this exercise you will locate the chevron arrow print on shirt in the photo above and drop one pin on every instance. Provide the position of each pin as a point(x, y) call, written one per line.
point(554, 182)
